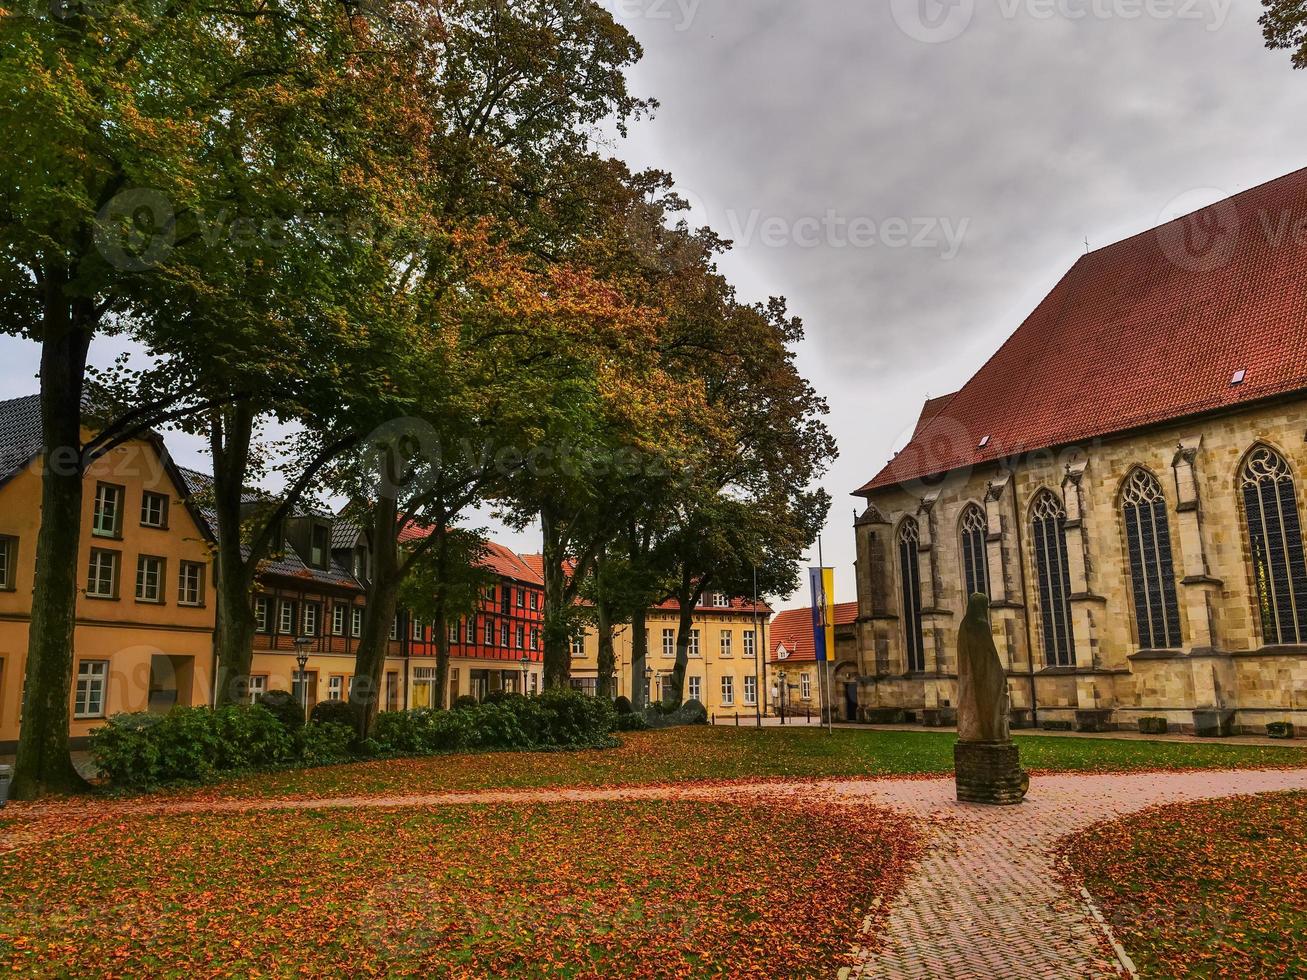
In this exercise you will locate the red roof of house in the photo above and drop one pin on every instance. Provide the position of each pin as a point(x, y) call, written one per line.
point(793, 630)
point(537, 563)
point(1150, 329)
point(498, 559)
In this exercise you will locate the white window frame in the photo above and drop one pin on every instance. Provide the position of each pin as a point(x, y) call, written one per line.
point(416, 631)
point(148, 497)
point(694, 643)
point(286, 617)
point(728, 642)
point(149, 579)
point(356, 621)
point(262, 614)
point(669, 643)
point(108, 501)
point(258, 685)
point(91, 697)
point(578, 646)
point(190, 583)
point(728, 691)
point(519, 637)
point(471, 633)
point(694, 687)
point(100, 559)
point(750, 690)
point(338, 619)
point(309, 618)
point(805, 686)
point(8, 551)
point(394, 628)
point(504, 639)
point(336, 687)
point(489, 632)
point(750, 644)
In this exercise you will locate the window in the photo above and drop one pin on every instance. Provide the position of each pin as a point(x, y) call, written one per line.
point(750, 643)
point(503, 635)
point(8, 562)
point(721, 600)
point(319, 546)
point(975, 562)
point(337, 619)
point(521, 637)
point(392, 690)
point(1152, 568)
point(356, 621)
point(521, 598)
point(92, 678)
point(258, 686)
point(490, 632)
point(107, 518)
point(1276, 546)
point(669, 643)
point(727, 641)
point(805, 686)
point(505, 600)
point(1048, 518)
point(336, 687)
point(454, 632)
point(102, 580)
point(149, 579)
point(394, 628)
point(154, 510)
point(535, 599)
point(453, 684)
point(586, 685)
point(424, 687)
point(578, 646)
point(190, 584)
point(287, 623)
point(751, 691)
point(910, 586)
point(417, 630)
point(261, 614)
point(471, 629)
point(311, 617)
point(696, 688)
point(694, 643)
point(728, 691)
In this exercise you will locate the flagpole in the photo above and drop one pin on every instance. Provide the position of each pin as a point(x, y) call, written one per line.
point(824, 681)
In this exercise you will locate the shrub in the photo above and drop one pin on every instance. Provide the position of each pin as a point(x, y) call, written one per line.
point(465, 701)
point(247, 738)
point(623, 705)
point(123, 751)
point(631, 722)
point(334, 711)
point(325, 742)
point(576, 720)
point(285, 707)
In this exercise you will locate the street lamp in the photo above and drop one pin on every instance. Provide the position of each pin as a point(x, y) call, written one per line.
point(302, 644)
point(781, 691)
point(526, 666)
point(648, 683)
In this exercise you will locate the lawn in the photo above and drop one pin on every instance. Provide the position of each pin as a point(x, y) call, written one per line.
point(557, 890)
point(1214, 889)
point(706, 754)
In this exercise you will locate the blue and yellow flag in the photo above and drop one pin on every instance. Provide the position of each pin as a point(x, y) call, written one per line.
point(823, 612)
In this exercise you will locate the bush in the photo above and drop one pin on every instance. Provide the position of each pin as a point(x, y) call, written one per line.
point(576, 720)
point(285, 707)
point(688, 713)
point(187, 744)
point(322, 743)
point(631, 722)
point(465, 701)
point(623, 705)
point(333, 712)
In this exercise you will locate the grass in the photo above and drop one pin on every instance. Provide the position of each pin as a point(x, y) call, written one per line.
point(559, 890)
point(706, 754)
point(1215, 889)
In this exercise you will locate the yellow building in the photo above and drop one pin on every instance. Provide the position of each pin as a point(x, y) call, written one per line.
point(144, 633)
point(725, 669)
point(1125, 480)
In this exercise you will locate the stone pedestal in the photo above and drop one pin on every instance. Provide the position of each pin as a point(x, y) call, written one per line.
point(989, 772)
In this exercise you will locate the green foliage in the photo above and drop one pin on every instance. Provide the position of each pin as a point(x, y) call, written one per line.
point(623, 705)
point(631, 722)
point(137, 751)
point(465, 701)
point(285, 707)
point(322, 743)
point(1280, 729)
point(334, 711)
point(1284, 27)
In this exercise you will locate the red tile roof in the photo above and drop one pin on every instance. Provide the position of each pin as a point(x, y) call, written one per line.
point(1150, 329)
point(498, 559)
point(793, 630)
point(537, 563)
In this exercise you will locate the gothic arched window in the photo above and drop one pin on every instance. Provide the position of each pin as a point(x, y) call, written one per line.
point(910, 575)
point(1048, 519)
point(975, 563)
point(1275, 543)
point(1152, 569)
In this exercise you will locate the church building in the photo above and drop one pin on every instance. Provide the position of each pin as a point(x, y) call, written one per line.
point(1124, 479)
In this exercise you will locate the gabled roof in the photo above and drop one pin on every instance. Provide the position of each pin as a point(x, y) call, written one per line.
point(506, 562)
point(792, 629)
point(932, 408)
point(20, 434)
point(1150, 329)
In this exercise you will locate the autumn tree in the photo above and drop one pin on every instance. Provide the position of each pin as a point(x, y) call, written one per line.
point(1284, 26)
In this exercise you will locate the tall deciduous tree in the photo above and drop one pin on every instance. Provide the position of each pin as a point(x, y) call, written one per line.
point(1284, 25)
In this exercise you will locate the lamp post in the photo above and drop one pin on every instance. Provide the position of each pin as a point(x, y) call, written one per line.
point(781, 691)
point(302, 644)
point(526, 666)
point(648, 684)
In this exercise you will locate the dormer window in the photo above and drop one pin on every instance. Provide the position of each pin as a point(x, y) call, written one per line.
point(319, 546)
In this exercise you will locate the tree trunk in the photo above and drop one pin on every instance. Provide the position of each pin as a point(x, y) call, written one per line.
point(382, 602)
point(44, 764)
point(558, 640)
point(607, 656)
point(639, 657)
point(441, 628)
point(687, 598)
point(230, 434)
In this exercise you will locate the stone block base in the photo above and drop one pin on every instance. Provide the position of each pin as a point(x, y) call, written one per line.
point(1093, 720)
point(989, 772)
point(1213, 723)
point(939, 717)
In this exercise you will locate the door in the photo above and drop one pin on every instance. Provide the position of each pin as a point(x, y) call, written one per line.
point(851, 701)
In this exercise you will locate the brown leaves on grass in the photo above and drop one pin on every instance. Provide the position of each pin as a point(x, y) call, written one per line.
point(1211, 889)
point(559, 890)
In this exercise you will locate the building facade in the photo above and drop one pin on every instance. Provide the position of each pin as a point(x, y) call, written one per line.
point(1124, 479)
point(805, 686)
point(143, 638)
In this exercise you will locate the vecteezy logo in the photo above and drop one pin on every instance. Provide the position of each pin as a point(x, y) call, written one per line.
point(136, 230)
point(933, 21)
point(1198, 238)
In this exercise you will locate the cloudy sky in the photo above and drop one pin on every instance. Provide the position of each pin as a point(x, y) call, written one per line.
point(914, 175)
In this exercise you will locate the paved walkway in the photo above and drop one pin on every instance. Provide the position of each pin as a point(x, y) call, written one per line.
point(985, 901)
